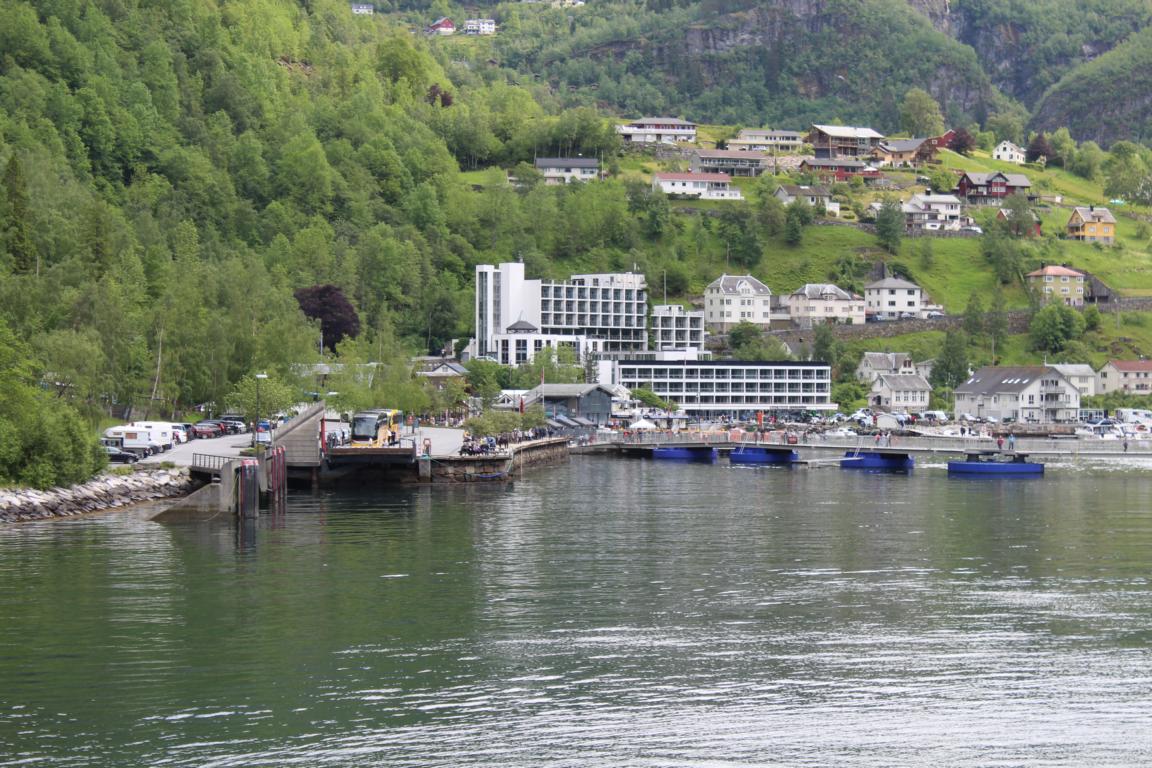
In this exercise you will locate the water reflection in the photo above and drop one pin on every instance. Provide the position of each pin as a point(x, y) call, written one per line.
point(603, 613)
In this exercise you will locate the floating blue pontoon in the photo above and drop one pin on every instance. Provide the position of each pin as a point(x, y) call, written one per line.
point(685, 453)
point(763, 454)
point(995, 463)
point(888, 462)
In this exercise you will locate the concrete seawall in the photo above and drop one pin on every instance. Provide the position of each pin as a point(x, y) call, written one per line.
point(493, 467)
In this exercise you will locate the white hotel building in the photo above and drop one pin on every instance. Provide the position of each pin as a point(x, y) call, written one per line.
point(516, 317)
point(711, 388)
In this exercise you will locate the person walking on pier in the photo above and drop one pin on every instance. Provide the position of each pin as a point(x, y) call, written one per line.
point(1000, 443)
point(1012, 442)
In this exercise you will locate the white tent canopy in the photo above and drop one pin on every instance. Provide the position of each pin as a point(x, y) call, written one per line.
point(642, 424)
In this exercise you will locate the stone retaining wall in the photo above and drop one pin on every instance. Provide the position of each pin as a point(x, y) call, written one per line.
point(104, 492)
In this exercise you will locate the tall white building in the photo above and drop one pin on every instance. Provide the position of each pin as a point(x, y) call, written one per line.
point(595, 312)
point(815, 303)
point(674, 327)
point(733, 299)
point(892, 297)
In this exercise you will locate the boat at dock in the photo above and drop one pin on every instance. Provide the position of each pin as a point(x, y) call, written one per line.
point(892, 461)
point(995, 463)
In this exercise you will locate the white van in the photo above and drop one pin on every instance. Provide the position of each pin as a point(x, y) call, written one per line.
point(161, 432)
point(138, 441)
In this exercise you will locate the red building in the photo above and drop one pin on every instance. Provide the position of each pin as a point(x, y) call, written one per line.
point(985, 188)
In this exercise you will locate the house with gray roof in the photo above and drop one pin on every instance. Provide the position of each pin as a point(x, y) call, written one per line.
point(892, 298)
point(733, 299)
point(565, 170)
point(1033, 393)
point(842, 140)
point(874, 364)
point(581, 403)
point(991, 188)
point(819, 198)
point(1082, 376)
point(817, 303)
point(900, 392)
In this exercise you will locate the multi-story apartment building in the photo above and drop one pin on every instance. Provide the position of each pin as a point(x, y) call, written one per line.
point(1035, 393)
point(816, 303)
point(594, 312)
point(562, 170)
point(657, 130)
point(767, 140)
point(892, 297)
point(674, 327)
point(713, 388)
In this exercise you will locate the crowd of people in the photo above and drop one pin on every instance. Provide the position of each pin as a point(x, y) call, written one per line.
point(479, 446)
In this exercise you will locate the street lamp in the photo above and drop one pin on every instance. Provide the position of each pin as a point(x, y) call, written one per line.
point(256, 426)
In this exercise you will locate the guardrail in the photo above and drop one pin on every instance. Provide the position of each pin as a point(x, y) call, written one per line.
point(207, 462)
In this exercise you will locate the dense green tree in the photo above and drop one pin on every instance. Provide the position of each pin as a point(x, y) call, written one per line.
point(920, 114)
point(1038, 149)
point(951, 368)
point(1054, 326)
point(974, 320)
point(890, 225)
point(16, 221)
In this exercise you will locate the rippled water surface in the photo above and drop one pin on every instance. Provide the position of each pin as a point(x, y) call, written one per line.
point(604, 613)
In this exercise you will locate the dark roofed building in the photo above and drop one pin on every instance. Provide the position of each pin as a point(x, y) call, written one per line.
point(1033, 393)
point(591, 402)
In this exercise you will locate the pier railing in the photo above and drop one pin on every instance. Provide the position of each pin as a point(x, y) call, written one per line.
point(207, 462)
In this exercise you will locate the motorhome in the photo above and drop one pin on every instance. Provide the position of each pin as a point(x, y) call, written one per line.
point(161, 432)
point(1134, 415)
point(138, 441)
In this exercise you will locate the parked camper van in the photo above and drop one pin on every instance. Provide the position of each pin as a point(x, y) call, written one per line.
point(161, 432)
point(139, 441)
point(1134, 415)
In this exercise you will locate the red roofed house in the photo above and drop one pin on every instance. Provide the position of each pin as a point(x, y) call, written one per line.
point(705, 186)
point(1056, 282)
point(944, 140)
point(442, 26)
point(1130, 376)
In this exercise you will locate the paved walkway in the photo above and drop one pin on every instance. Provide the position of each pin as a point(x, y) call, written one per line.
point(181, 455)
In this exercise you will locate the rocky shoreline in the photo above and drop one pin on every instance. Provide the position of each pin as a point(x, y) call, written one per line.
point(101, 493)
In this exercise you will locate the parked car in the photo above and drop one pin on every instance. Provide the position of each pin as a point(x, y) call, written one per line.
point(235, 421)
point(263, 433)
point(840, 432)
point(933, 314)
point(206, 429)
point(120, 456)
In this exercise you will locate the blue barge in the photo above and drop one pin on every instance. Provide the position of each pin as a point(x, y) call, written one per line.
point(686, 453)
point(994, 463)
point(888, 462)
point(757, 455)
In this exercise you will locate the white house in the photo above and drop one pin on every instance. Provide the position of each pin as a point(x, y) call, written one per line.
point(563, 170)
point(1009, 153)
point(657, 130)
point(479, 26)
point(819, 198)
point(892, 297)
point(674, 327)
point(873, 364)
point(1128, 376)
point(609, 311)
point(705, 186)
point(733, 299)
point(767, 140)
point(900, 392)
point(1034, 393)
point(929, 212)
point(824, 303)
point(712, 388)
point(1082, 377)
point(363, 9)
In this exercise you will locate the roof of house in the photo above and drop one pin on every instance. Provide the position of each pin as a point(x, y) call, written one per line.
point(566, 390)
point(1091, 213)
point(693, 177)
point(1013, 179)
point(934, 200)
point(732, 283)
point(822, 291)
point(891, 282)
point(1131, 365)
point(753, 133)
point(1010, 144)
point(885, 361)
point(567, 162)
point(1006, 213)
point(848, 132)
point(902, 145)
point(663, 121)
point(443, 21)
point(522, 325)
point(734, 154)
point(797, 190)
point(1074, 369)
point(445, 370)
point(824, 162)
point(902, 382)
point(1055, 270)
point(997, 380)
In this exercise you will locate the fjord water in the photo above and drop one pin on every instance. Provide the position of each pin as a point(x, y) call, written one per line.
point(602, 613)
